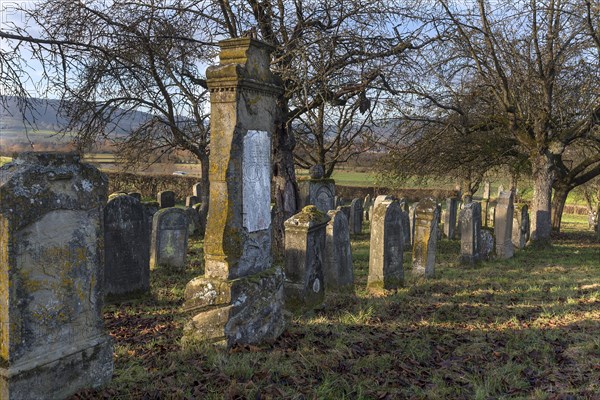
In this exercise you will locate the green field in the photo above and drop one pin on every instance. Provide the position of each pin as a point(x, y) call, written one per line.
point(522, 328)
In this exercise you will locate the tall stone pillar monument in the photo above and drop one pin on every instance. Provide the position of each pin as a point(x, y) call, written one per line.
point(240, 297)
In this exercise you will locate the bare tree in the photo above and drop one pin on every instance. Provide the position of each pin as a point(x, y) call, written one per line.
point(533, 58)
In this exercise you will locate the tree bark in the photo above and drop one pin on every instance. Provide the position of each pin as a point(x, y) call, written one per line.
point(285, 188)
point(543, 178)
point(558, 204)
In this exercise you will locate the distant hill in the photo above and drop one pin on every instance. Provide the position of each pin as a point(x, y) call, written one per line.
point(41, 120)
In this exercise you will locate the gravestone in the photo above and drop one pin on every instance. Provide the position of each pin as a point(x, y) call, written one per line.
point(193, 220)
point(366, 205)
point(190, 201)
point(169, 238)
point(126, 247)
point(486, 244)
point(150, 208)
point(491, 217)
point(345, 210)
point(115, 194)
point(427, 214)
point(239, 298)
point(411, 219)
point(386, 247)
point(470, 237)
point(51, 263)
point(450, 217)
point(166, 199)
point(500, 190)
point(199, 228)
point(356, 216)
point(337, 201)
point(196, 189)
point(381, 198)
point(486, 191)
point(520, 228)
point(135, 195)
point(304, 258)
point(338, 273)
point(503, 225)
point(317, 190)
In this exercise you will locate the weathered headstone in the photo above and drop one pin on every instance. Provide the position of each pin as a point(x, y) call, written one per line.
point(386, 247)
point(338, 272)
point(190, 201)
point(196, 189)
point(240, 297)
point(427, 214)
point(169, 238)
point(317, 190)
point(51, 262)
point(486, 244)
point(356, 216)
point(166, 199)
point(199, 228)
point(366, 206)
point(345, 210)
point(115, 194)
point(491, 217)
point(150, 208)
point(304, 259)
point(135, 195)
point(500, 190)
point(486, 191)
point(126, 247)
point(411, 219)
point(470, 237)
point(380, 199)
point(503, 225)
point(450, 217)
point(193, 220)
point(520, 227)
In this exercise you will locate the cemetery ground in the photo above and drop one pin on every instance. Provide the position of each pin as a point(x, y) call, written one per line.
point(520, 328)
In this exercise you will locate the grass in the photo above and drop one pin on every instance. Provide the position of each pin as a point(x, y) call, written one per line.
point(520, 328)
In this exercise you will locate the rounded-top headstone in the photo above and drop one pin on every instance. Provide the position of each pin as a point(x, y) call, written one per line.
point(316, 172)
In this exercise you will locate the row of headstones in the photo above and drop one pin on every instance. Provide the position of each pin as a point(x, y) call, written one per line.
point(140, 236)
point(318, 255)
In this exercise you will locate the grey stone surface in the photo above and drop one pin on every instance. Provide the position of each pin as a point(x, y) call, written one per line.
point(484, 212)
point(126, 247)
point(136, 195)
point(381, 198)
point(193, 220)
point(166, 199)
point(503, 225)
point(304, 259)
point(190, 201)
point(386, 247)
point(470, 224)
point(520, 229)
point(486, 244)
point(316, 172)
point(51, 262)
point(411, 219)
point(239, 299)
point(491, 217)
point(427, 214)
point(345, 210)
point(256, 181)
point(318, 192)
point(406, 234)
point(356, 216)
point(150, 208)
point(500, 190)
point(366, 206)
point(169, 238)
point(450, 218)
point(338, 272)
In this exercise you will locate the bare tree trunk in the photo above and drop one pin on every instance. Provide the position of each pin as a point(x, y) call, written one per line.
point(285, 188)
point(543, 178)
point(558, 205)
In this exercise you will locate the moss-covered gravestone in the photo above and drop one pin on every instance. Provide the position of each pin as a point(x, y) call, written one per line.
point(427, 213)
point(126, 247)
point(386, 247)
point(304, 259)
point(53, 341)
point(166, 199)
point(239, 299)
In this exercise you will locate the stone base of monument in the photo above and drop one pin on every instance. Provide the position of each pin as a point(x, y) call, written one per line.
point(77, 366)
point(246, 310)
point(299, 298)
